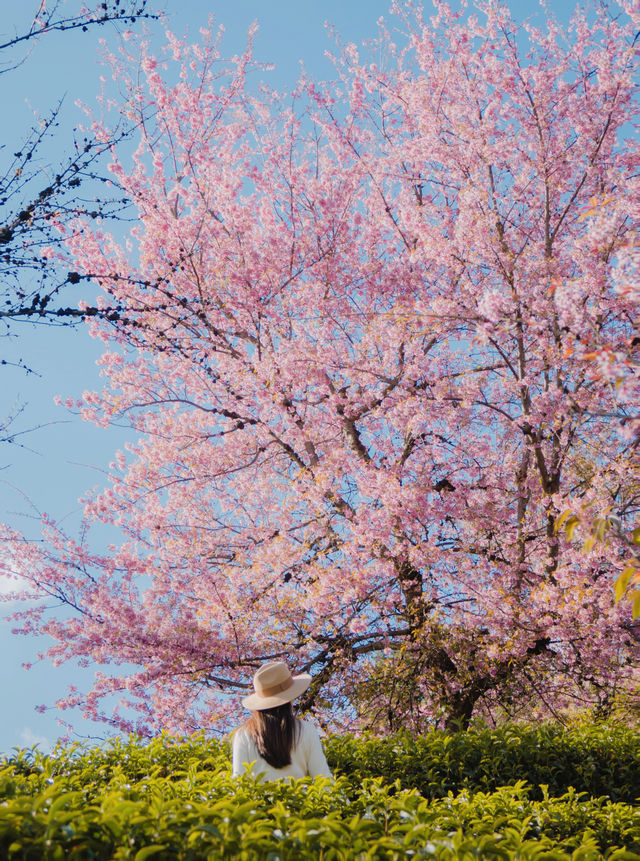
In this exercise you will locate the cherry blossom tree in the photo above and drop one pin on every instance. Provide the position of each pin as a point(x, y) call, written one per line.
point(615, 367)
point(355, 352)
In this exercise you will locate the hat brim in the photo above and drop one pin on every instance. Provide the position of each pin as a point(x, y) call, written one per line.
point(256, 703)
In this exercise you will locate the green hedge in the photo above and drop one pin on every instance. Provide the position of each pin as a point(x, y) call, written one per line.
point(177, 800)
point(204, 814)
point(598, 760)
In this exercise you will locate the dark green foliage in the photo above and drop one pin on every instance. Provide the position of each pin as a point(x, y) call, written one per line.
point(596, 759)
point(176, 800)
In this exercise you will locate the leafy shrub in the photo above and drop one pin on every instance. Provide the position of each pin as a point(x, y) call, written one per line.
point(176, 800)
point(598, 760)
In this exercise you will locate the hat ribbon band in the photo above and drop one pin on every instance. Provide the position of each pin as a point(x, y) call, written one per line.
point(274, 689)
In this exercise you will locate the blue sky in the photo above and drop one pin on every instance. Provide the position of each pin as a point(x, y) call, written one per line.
point(64, 457)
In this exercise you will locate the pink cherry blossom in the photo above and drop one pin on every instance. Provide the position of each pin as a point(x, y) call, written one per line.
point(354, 345)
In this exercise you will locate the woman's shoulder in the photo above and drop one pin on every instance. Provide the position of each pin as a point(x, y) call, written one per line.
point(240, 733)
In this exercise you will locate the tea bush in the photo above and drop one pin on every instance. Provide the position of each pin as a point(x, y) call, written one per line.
point(176, 800)
point(597, 759)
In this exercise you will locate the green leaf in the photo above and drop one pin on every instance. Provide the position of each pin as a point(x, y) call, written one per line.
point(148, 851)
point(67, 799)
point(570, 526)
point(562, 517)
point(601, 525)
point(635, 607)
point(622, 581)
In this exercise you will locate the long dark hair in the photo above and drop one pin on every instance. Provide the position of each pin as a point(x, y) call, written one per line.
point(275, 732)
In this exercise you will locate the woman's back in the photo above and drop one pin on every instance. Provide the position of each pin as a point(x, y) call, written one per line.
point(307, 756)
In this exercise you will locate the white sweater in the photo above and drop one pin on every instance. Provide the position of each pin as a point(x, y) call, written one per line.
point(307, 756)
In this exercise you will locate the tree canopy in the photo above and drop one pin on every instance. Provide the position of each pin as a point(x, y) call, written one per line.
point(357, 344)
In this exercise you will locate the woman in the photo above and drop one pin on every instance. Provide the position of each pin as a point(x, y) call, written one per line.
point(273, 742)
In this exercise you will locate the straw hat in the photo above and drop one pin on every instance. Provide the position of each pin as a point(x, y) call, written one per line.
point(274, 686)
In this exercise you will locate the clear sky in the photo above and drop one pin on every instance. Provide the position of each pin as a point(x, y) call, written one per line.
point(63, 456)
